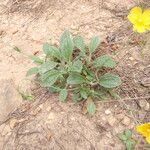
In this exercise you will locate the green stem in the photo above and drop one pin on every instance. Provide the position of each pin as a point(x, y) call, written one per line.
point(96, 75)
point(89, 58)
point(72, 89)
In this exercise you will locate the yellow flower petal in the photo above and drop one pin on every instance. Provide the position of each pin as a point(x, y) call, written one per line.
point(139, 28)
point(148, 27)
point(146, 17)
point(135, 14)
point(144, 129)
point(139, 19)
point(148, 139)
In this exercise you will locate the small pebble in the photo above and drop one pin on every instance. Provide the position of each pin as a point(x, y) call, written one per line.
point(126, 121)
point(36, 111)
point(41, 106)
point(147, 106)
point(107, 112)
point(75, 33)
point(48, 108)
point(109, 135)
point(131, 58)
point(120, 116)
point(6, 130)
point(112, 120)
point(144, 104)
point(49, 136)
point(73, 27)
point(51, 116)
point(13, 122)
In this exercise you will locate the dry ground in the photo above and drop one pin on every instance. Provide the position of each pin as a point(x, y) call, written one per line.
point(46, 123)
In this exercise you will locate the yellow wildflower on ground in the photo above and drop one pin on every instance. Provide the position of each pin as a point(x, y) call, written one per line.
point(144, 129)
point(140, 19)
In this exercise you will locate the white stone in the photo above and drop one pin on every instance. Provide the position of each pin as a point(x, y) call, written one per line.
point(107, 112)
point(49, 108)
point(131, 58)
point(73, 27)
point(51, 116)
point(147, 106)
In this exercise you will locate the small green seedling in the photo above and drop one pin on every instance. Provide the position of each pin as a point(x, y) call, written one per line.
point(25, 96)
point(17, 49)
point(126, 138)
point(70, 67)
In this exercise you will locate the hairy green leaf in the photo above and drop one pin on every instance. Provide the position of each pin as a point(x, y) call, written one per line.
point(37, 60)
point(95, 41)
point(47, 66)
point(89, 74)
point(128, 133)
point(109, 80)
point(89, 78)
point(66, 45)
point(63, 95)
point(56, 52)
point(126, 137)
point(49, 78)
point(113, 94)
point(47, 49)
point(129, 145)
point(75, 78)
point(51, 51)
point(32, 71)
point(123, 137)
point(91, 108)
point(83, 93)
point(87, 71)
point(76, 67)
point(104, 61)
point(76, 97)
point(54, 89)
point(25, 96)
point(79, 43)
point(101, 95)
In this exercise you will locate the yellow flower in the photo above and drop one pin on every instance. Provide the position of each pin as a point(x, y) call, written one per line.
point(140, 19)
point(144, 129)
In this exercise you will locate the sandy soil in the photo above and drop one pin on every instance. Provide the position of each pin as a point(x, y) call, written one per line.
point(46, 123)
